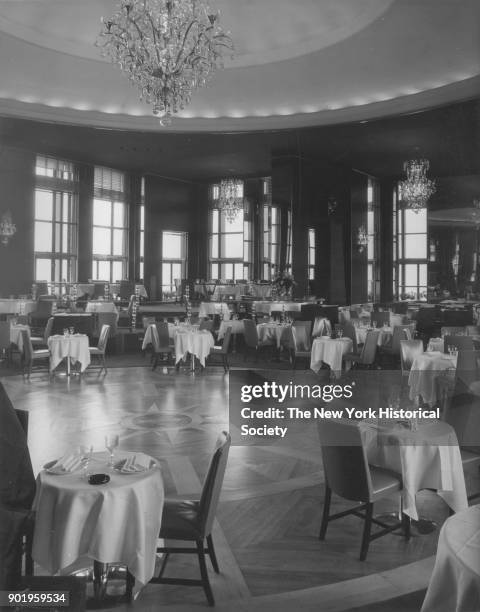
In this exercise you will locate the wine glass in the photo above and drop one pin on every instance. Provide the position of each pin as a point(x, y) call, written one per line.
point(86, 454)
point(111, 443)
point(340, 333)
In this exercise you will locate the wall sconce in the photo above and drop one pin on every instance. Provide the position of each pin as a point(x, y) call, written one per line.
point(362, 238)
point(331, 205)
point(7, 227)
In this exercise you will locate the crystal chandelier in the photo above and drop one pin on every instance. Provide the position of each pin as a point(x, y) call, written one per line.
point(416, 190)
point(167, 48)
point(230, 198)
point(7, 227)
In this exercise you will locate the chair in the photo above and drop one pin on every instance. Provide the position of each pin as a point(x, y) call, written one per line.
point(251, 338)
point(467, 370)
point(368, 353)
point(348, 330)
point(108, 318)
point(400, 332)
point(162, 347)
point(188, 520)
point(31, 355)
point(98, 352)
point(409, 350)
point(222, 351)
point(206, 324)
point(42, 341)
point(301, 341)
point(5, 340)
point(462, 343)
point(472, 330)
point(348, 474)
point(380, 318)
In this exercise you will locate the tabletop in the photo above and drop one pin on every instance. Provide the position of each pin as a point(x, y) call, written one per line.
point(330, 351)
point(455, 581)
point(424, 371)
point(428, 458)
point(115, 522)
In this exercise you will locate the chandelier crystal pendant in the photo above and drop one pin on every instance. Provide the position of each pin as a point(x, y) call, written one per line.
point(7, 227)
point(167, 48)
point(230, 198)
point(417, 189)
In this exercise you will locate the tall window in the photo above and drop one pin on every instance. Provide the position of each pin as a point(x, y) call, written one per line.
point(311, 254)
point(142, 228)
point(56, 221)
point(174, 259)
point(271, 233)
point(110, 226)
point(230, 250)
point(412, 253)
point(372, 234)
point(288, 258)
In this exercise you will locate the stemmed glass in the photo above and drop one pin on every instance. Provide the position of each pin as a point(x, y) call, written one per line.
point(111, 443)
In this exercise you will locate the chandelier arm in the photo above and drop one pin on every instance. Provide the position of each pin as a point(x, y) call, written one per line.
point(140, 34)
point(154, 32)
point(185, 36)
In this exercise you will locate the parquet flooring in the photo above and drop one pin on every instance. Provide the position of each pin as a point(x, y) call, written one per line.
point(269, 514)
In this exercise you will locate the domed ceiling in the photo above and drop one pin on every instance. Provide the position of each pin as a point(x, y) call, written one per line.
point(297, 63)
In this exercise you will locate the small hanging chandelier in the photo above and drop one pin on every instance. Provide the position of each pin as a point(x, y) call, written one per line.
point(416, 190)
point(167, 49)
point(230, 198)
point(7, 227)
point(362, 238)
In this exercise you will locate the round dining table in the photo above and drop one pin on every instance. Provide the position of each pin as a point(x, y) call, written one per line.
point(118, 522)
point(197, 342)
point(72, 347)
point(455, 582)
point(330, 351)
point(423, 374)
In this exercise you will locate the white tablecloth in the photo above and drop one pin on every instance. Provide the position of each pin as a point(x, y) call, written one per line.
point(74, 347)
point(101, 307)
point(425, 369)
point(272, 332)
point(330, 351)
point(196, 343)
point(455, 582)
point(427, 459)
point(384, 337)
point(16, 335)
point(151, 333)
point(235, 290)
point(321, 327)
point(116, 522)
point(213, 308)
point(17, 306)
point(269, 307)
point(436, 344)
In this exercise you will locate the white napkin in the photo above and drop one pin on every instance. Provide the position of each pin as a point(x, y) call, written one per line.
point(68, 463)
point(136, 463)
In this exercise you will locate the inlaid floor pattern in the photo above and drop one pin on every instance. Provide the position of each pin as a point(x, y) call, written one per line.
point(269, 514)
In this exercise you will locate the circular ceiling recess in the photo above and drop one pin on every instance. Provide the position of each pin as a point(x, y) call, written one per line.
point(297, 63)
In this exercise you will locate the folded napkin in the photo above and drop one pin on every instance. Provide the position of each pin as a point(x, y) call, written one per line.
point(68, 463)
point(135, 463)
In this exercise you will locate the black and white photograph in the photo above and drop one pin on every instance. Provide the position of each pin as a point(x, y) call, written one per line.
point(240, 305)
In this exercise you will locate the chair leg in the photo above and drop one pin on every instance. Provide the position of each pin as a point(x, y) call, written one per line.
point(406, 525)
point(203, 572)
point(211, 552)
point(366, 531)
point(129, 584)
point(326, 512)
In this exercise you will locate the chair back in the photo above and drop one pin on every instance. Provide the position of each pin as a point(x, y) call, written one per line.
point(206, 324)
point(103, 339)
point(369, 351)
point(448, 330)
point(251, 334)
point(4, 335)
point(163, 336)
point(48, 329)
point(302, 335)
point(462, 343)
point(349, 332)
point(400, 332)
point(409, 350)
point(226, 340)
point(472, 330)
point(468, 370)
point(213, 484)
point(344, 459)
point(44, 308)
point(380, 318)
point(27, 346)
point(321, 327)
point(108, 318)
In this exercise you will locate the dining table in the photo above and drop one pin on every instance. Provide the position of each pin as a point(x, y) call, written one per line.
point(194, 341)
point(330, 351)
point(427, 457)
point(271, 331)
point(99, 306)
point(455, 581)
point(77, 523)
point(426, 368)
point(385, 334)
point(72, 347)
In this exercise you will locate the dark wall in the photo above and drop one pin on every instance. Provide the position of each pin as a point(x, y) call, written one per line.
point(17, 195)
